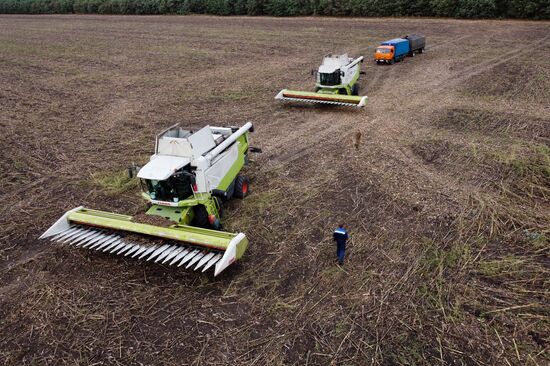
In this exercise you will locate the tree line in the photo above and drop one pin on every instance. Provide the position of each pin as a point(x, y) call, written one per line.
point(523, 9)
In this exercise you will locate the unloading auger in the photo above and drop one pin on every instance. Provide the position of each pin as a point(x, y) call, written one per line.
point(186, 180)
point(336, 83)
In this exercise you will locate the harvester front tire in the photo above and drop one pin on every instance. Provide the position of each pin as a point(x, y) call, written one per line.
point(201, 217)
point(219, 206)
point(241, 186)
point(355, 89)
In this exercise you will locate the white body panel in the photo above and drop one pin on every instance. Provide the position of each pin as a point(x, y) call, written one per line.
point(62, 224)
point(220, 166)
point(161, 167)
point(202, 141)
point(174, 146)
point(201, 181)
point(332, 63)
point(230, 254)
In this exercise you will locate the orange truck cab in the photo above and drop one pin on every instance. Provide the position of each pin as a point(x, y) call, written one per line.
point(384, 54)
point(397, 49)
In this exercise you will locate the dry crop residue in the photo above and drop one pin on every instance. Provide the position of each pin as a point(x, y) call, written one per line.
point(446, 197)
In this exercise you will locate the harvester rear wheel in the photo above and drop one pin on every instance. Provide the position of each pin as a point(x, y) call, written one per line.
point(241, 186)
point(201, 217)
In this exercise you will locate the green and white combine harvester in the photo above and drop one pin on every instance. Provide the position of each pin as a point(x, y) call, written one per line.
point(337, 83)
point(185, 181)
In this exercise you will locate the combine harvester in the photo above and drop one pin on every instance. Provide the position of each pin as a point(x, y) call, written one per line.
point(185, 181)
point(336, 83)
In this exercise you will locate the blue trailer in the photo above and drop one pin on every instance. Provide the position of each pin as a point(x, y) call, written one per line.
point(401, 48)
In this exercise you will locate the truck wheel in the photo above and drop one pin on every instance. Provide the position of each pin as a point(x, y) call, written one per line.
point(241, 186)
point(201, 217)
point(421, 50)
point(392, 61)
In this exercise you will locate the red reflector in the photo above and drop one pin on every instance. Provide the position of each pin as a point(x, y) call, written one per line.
point(195, 187)
point(211, 219)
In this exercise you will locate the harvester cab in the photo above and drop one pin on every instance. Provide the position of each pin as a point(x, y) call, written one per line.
point(185, 181)
point(336, 83)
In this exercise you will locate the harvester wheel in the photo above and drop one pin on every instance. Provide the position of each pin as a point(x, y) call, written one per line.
point(219, 206)
point(355, 89)
point(201, 217)
point(241, 186)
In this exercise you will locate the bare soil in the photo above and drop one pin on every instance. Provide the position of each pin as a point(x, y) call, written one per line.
point(151, 220)
point(446, 197)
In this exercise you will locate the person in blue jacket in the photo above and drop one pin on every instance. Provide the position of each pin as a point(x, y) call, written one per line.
point(340, 236)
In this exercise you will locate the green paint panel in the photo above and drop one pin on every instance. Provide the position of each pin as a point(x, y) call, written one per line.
point(232, 173)
point(241, 247)
point(176, 214)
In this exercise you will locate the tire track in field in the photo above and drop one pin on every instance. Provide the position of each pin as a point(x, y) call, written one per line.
point(452, 41)
point(476, 69)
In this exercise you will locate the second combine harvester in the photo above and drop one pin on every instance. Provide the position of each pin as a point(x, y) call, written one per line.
point(185, 182)
point(336, 83)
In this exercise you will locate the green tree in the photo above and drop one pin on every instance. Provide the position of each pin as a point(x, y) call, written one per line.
point(444, 8)
point(477, 9)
